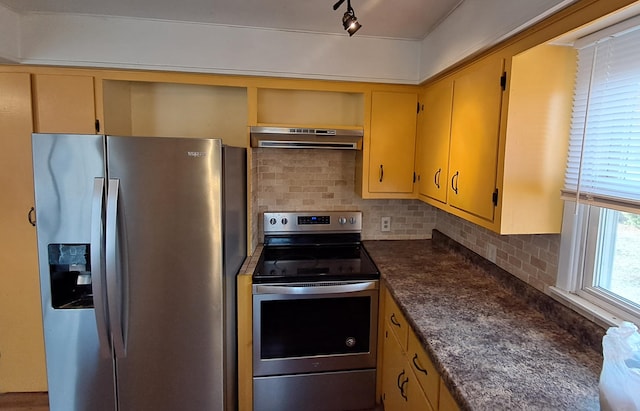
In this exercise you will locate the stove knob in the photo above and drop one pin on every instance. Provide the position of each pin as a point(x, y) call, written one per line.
point(284, 221)
point(342, 220)
point(272, 221)
point(352, 220)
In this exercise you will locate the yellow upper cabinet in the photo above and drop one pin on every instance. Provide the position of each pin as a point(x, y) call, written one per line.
point(475, 121)
point(433, 141)
point(310, 108)
point(64, 104)
point(392, 144)
point(458, 141)
point(509, 125)
point(172, 109)
point(538, 120)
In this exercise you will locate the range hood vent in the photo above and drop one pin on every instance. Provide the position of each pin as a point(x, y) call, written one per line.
point(296, 137)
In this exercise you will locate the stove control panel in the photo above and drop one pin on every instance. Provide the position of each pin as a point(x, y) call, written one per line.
point(314, 219)
point(323, 221)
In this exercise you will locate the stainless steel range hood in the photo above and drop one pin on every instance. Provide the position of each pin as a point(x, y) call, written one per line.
point(296, 137)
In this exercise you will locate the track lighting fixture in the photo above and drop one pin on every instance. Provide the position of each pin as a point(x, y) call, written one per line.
point(349, 19)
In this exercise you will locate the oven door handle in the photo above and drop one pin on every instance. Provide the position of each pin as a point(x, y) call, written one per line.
point(315, 288)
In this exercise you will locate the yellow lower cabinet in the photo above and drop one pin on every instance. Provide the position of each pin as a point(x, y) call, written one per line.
point(396, 321)
point(245, 342)
point(394, 372)
point(410, 381)
point(401, 390)
point(447, 403)
point(416, 398)
point(426, 374)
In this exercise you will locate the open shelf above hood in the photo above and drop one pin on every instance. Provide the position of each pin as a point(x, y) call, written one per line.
point(300, 137)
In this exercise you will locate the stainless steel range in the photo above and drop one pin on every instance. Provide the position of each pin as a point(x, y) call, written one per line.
point(315, 310)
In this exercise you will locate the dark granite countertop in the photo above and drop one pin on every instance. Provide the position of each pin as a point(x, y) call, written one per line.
point(497, 342)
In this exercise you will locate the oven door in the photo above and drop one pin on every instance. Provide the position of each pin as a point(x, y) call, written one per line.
point(314, 327)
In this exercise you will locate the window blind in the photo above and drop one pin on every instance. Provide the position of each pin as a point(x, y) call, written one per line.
point(603, 164)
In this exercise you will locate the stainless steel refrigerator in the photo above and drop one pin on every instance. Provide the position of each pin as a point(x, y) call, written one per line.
point(139, 243)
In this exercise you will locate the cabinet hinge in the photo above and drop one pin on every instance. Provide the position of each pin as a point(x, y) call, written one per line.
point(97, 126)
point(503, 81)
point(494, 197)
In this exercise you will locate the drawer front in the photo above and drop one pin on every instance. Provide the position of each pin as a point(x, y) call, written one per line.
point(416, 398)
point(394, 372)
point(397, 322)
point(447, 403)
point(425, 372)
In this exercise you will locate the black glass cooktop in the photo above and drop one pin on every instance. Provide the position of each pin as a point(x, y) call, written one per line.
point(314, 262)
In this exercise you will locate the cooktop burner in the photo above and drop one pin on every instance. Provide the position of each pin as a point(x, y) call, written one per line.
point(305, 247)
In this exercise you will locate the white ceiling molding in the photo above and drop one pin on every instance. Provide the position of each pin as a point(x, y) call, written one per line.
point(81, 40)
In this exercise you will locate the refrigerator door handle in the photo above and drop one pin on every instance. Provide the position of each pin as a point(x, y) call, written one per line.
point(97, 266)
point(114, 284)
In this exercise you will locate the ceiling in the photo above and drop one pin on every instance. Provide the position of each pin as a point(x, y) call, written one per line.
point(406, 19)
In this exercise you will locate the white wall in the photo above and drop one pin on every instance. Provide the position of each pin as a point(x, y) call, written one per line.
point(477, 25)
point(54, 39)
point(81, 40)
point(9, 36)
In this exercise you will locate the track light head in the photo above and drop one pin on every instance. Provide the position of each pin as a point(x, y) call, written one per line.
point(349, 19)
point(350, 22)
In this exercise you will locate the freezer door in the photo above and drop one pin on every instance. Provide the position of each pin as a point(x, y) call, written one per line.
point(79, 378)
point(170, 295)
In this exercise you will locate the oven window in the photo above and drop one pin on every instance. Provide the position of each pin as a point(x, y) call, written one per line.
point(318, 326)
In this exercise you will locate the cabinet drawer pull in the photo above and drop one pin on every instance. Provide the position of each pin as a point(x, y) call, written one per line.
point(381, 172)
point(415, 364)
point(436, 178)
point(394, 321)
point(454, 182)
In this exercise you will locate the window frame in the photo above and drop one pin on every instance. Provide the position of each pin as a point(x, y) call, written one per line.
point(582, 237)
point(587, 227)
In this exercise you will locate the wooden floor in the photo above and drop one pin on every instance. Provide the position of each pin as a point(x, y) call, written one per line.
point(31, 401)
point(39, 401)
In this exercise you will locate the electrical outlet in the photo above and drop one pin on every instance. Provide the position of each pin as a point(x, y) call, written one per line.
point(491, 252)
point(385, 224)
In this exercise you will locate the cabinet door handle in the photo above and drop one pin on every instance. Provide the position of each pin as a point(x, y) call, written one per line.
point(418, 367)
point(436, 178)
point(402, 384)
point(454, 182)
point(399, 378)
point(381, 173)
point(394, 321)
point(31, 216)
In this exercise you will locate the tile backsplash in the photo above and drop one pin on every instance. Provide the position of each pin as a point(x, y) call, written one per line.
point(323, 180)
point(532, 257)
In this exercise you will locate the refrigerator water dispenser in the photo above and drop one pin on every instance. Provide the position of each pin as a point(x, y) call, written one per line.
point(70, 274)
